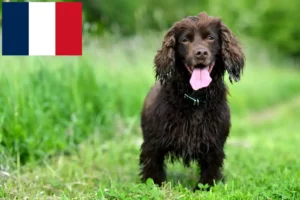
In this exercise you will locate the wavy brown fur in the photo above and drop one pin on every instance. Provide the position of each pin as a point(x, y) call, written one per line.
point(173, 127)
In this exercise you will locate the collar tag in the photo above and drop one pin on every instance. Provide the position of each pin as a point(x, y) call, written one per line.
point(196, 102)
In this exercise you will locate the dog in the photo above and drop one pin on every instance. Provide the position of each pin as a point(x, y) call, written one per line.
point(185, 114)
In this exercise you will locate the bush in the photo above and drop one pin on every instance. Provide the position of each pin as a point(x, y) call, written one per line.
point(278, 25)
point(274, 22)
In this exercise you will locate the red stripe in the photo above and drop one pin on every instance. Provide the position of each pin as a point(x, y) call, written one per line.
point(68, 28)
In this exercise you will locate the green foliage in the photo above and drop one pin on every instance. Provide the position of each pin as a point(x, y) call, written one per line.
point(273, 22)
point(279, 25)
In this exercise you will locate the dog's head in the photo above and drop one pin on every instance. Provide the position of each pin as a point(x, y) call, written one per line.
point(200, 48)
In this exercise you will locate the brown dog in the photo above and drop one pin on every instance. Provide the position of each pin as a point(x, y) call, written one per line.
point(186, 115)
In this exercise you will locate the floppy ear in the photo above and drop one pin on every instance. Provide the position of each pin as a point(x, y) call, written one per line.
point(165, 58)
point(232, 54)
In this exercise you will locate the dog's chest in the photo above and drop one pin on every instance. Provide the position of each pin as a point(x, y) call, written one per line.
point(188, 132)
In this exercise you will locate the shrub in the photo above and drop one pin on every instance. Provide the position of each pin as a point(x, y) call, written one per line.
point(273, 22)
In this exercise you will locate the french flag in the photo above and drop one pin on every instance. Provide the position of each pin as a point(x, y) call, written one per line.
point(42, 28)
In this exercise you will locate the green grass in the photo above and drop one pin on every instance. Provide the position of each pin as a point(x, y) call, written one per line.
point(70, 128)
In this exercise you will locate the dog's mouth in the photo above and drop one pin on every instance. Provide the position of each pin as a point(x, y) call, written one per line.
point(200, 75)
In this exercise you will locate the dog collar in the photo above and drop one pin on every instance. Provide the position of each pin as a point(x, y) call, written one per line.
point(195, 101)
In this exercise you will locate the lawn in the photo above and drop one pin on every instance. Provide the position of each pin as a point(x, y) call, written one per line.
point(70, 128)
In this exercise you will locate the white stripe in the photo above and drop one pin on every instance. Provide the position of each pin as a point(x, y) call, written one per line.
point(42, 28)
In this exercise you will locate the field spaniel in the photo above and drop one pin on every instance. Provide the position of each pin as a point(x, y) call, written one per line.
point(185, 115)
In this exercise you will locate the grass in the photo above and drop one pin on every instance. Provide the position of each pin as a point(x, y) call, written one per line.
point(70, 128)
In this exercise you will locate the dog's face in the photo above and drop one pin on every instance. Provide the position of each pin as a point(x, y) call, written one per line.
point(197, 48)
point(199, 44)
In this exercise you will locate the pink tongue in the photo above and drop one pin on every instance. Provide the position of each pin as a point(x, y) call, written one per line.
point(200, 78)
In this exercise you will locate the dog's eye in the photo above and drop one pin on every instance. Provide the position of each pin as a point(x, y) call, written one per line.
point(185, 39)
point(210, 37)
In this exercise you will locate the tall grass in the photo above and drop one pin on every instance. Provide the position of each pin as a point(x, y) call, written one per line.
point(52, 104)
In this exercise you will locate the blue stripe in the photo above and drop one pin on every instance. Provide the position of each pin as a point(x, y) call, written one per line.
point(15, 28)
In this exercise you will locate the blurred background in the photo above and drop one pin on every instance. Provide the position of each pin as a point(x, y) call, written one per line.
point(64, 118)
point(274, 22)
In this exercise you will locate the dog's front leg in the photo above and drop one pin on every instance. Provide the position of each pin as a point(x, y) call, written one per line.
point(211, 165)
point(152, 164)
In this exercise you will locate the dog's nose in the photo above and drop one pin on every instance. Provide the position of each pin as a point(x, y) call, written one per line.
point(201, 53)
